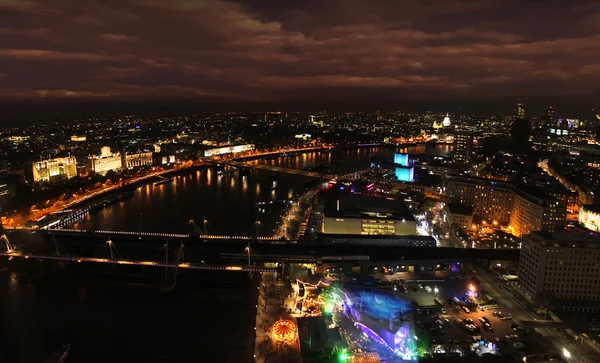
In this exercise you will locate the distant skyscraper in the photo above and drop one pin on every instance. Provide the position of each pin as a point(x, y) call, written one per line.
point(520, 110)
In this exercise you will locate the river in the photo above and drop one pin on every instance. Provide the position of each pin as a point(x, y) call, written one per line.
point(227, 201)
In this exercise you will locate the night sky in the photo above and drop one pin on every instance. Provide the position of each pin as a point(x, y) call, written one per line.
point(301, 54)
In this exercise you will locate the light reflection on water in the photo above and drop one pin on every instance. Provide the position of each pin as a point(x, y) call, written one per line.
point(226, 200)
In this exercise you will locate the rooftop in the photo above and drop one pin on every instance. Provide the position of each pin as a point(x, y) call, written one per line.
point(457, 208)
point(566, 239)
point(363, 206)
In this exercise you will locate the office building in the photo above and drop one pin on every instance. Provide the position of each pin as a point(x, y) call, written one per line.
point(504, 204)
point(139, 159)
point(562, 268)
point(52, 170)
point(354, 214)
point(589, 217)
point(463, 147)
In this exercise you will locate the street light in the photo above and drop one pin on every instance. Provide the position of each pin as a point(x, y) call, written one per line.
point(472, 288)
point(566, 353)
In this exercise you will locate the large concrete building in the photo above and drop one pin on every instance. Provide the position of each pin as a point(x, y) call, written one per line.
point(351, 214)
point(562, 268)
point(504, 204)
point(54, 169)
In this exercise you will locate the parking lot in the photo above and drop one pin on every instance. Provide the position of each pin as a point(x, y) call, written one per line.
point(445, 322)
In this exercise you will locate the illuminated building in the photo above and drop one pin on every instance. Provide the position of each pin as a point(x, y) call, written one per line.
point(404, 169)
point(54, 169)
point(589, 217)
point(139, 159)
point(463, 147)
point(520, 110)
point(228, 150)
point(562, 268)
point(507, 205)
point(446, 122)
point(353, 214)
point(106, 161)
point(78, 138)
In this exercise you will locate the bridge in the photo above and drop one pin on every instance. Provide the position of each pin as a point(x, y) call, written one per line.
point(10, 250)
point(220, 249)
point(119, 261)
point(277, 169)
point(154, 235)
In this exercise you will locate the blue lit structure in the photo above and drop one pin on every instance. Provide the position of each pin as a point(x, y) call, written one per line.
point(401, 159)
point(405, 174)
point(404, 168)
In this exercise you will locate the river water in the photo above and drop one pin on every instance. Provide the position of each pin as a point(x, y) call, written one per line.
point(227, 201)
point(115, 317)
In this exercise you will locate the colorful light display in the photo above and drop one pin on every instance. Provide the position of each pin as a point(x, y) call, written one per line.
point(309, 299)
point(284, 330)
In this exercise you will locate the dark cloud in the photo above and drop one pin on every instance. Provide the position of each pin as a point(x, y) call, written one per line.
point(290, 52)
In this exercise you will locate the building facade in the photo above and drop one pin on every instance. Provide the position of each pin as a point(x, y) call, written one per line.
point(54, 169)
point(349, 214)
point(139, 159)
point(463, 147)
point(102, 165)
point(504, 204)
point(563, 268)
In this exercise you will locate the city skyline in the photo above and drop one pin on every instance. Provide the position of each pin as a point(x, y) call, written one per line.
point(69, 58)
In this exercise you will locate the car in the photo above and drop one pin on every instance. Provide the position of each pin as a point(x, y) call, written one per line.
point(443, 311)
point(447, 321)
point(469, 321)
point(466, 309)
point(485, 319)
point(419, 311)
point(458, 321)
point(481, 308)
point(420, 286)
point(514, 326)
point(482, 320)
point(435, 316)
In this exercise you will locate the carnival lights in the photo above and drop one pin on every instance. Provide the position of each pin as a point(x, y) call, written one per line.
point(283, 330)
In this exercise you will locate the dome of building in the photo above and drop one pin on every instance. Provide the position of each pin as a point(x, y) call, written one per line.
point(446, 121)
